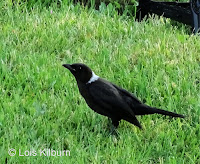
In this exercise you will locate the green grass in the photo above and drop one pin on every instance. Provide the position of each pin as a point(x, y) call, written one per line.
point(42, 108)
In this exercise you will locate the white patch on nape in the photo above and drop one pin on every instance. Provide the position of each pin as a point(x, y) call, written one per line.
point(93, 78)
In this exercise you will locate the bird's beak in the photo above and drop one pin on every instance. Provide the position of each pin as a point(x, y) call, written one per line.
point(69, 67)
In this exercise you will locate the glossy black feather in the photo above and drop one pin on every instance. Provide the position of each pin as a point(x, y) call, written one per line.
point(107, 97)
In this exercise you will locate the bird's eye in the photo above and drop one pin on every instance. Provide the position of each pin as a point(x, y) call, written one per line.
point(80, 68)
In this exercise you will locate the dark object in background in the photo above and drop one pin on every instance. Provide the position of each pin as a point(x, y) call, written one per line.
point(110, 100)
point(187, 13)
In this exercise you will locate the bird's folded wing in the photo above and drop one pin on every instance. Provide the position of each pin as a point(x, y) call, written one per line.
point(125, 93)
point(108, 97)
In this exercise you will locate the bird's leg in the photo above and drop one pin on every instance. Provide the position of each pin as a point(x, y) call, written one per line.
point(114, 125)
point(109, 121)
point(110, 124)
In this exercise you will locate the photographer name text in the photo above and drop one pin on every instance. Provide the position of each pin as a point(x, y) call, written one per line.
point(41, 152)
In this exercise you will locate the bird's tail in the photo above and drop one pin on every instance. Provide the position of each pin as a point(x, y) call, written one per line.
point(144, 109)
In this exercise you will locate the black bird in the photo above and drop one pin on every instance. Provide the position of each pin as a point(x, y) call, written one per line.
point(110, 100)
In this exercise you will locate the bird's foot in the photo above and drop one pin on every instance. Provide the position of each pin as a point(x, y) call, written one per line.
point(114, 131)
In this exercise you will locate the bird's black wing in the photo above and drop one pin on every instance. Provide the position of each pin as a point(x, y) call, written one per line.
point(141, 109)
point(129, 98)
point(108, 97)
point(105, 95)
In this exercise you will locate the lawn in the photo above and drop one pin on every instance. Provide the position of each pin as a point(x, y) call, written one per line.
point(40, 105)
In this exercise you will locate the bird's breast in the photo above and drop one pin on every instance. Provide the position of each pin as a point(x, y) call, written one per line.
point(83, 89)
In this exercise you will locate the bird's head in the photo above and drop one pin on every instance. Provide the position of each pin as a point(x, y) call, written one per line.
point(81, 72)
